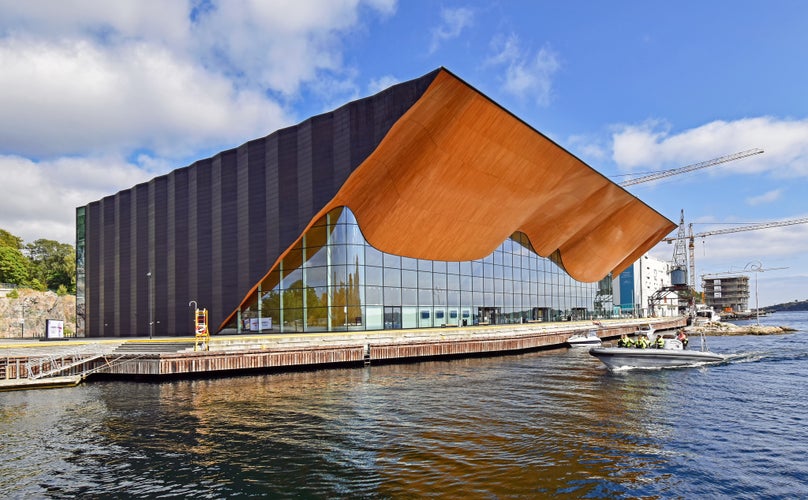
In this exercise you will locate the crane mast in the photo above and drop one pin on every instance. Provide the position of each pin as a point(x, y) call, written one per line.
point(679, 263)
point(679, 271)
point(679, 268)
point(691, 243)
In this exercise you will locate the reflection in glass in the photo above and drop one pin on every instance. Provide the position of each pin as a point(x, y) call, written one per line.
point(332, 280)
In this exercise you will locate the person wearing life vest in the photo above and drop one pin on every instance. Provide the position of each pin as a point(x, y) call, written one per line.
point(642, 342)
point(660, 342)
point(625, 341)
point(682, 337)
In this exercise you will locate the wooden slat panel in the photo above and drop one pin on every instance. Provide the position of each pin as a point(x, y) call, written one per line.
point(458, 174)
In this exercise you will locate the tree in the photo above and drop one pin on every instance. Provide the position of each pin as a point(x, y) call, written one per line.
point(52, 263)
point(9, 240)
point(13, 266)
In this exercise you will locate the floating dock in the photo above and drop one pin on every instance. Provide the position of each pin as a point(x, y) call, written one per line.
point(39, 364)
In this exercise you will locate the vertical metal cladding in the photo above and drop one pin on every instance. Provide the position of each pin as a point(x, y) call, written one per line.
point(123, 243)
point(255, 230)
point(200, 267)
point(109, 250)
point(208, 232)
point(179, 214)
point(137, 286)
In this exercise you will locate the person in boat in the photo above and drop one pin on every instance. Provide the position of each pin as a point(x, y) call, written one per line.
point(659, 343)
point(642, 342)
point(625, 341)
point(682, 337)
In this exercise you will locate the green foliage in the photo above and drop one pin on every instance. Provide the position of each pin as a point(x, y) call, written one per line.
point(53, 263)
point(14, 294)
point(41, 265)
point(13, 266)
point(796, 305)
point(61, 291)
point(9, 240)
point(37, 285)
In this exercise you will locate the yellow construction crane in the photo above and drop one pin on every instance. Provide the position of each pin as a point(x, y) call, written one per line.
point(690, 168)
point(691, 244)
point(680, 260)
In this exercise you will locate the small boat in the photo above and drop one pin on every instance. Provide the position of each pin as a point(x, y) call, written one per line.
point(672, 355)
point(704, 315)
point(588, 339)
point(646, 329)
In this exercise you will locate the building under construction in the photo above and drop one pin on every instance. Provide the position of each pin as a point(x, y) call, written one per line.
point(727, 294)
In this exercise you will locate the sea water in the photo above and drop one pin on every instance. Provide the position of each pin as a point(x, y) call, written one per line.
point(543, 424)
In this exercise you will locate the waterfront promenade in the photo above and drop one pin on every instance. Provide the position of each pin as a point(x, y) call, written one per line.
point(33, 363)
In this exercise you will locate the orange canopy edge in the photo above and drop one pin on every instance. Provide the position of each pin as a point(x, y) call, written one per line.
point(457, 174)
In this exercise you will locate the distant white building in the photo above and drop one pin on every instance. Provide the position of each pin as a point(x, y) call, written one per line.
point(634, 287)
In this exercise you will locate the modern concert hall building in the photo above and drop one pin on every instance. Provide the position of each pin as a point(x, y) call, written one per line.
point(425, 205)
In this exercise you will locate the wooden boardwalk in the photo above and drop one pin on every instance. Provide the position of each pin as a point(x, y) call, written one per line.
point(30, 365)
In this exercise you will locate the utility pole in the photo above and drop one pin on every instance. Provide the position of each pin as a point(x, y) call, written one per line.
point(757, 268)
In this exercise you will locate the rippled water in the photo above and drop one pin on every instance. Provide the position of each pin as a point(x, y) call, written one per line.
point(535, 425)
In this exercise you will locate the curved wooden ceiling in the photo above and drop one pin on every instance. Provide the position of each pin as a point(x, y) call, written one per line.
point(458, 174)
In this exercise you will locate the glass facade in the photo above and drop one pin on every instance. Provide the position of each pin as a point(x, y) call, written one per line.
point(333, 280)
point(81, 275)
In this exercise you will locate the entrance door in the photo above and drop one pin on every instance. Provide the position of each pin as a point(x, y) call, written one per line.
point(541, 314)
point(392, 317)
point(489, 315)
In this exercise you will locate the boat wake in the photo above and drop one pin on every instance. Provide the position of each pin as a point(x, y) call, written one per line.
point(697, 364)
point(766, 356)
point(747, 357)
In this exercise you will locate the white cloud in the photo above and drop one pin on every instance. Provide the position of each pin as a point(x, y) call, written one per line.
point(767, 197)
point(527, 76)
point(784, 142)
point(110, 22)
point(99, 96)
point(751, 245)
point(40, 198)
point(278, 45)
point(777, 247)
point(162, 76)
point(67, 98)
point(381, 83)
point(453, 22)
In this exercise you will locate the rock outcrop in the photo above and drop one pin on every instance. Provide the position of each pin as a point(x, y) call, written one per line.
point(35, 308)
point(721, 328)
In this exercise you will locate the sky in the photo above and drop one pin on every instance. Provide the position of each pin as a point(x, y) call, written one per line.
point(98, 96)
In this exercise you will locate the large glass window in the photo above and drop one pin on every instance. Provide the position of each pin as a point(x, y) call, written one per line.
point(332, 280)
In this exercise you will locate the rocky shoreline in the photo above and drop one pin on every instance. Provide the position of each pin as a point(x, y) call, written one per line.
point(35, 308)
point(719, 328)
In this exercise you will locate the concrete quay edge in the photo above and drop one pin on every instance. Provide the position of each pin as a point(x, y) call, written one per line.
point(294, 350)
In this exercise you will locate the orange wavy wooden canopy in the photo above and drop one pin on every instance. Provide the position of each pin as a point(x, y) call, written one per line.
point(458, 174)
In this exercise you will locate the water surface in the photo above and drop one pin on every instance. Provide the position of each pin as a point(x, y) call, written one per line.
point(552, 423)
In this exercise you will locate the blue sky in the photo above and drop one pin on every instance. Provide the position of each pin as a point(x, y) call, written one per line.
point(98, 96)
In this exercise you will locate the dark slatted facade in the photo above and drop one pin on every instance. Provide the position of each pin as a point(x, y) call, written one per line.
point(208, 232)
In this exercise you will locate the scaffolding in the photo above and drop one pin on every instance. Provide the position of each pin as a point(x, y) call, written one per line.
point(727, 293)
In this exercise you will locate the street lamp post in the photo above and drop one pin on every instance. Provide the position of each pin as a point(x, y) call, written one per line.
point(196, 307)
point(149, 283)
point(23, 303)
point(756, 267)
